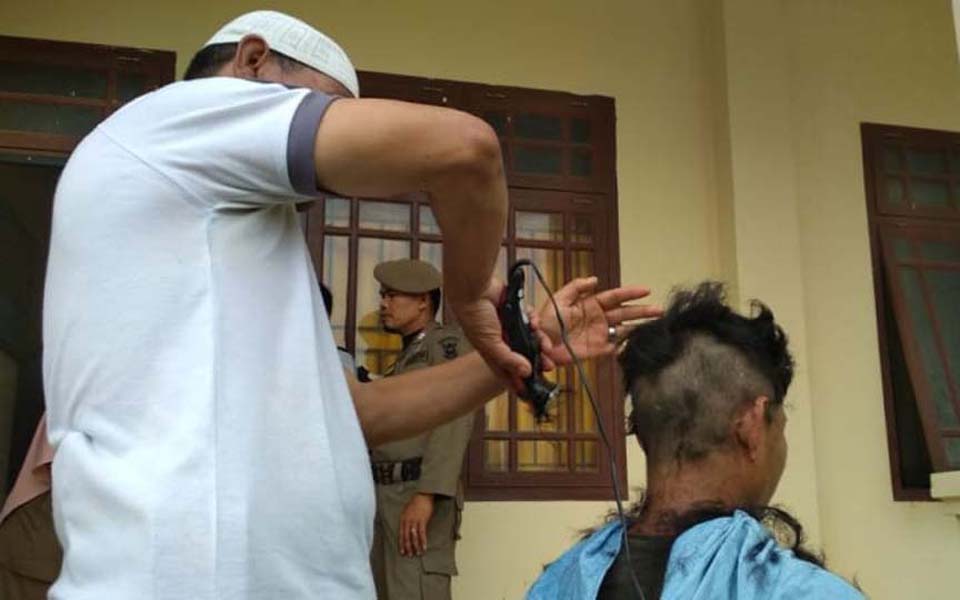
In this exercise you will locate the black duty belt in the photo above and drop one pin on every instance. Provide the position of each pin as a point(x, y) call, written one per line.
point(388, 472)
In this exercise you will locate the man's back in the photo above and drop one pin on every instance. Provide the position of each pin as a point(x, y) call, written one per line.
point(186, 347)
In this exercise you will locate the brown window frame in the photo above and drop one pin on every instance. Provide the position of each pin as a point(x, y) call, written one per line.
point(909, 407)
point(595, 195)
point(155, 67)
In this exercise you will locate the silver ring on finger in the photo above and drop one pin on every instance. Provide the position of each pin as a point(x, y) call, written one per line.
point(612, 334)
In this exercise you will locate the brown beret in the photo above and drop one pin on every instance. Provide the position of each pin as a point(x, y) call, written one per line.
point(408, 276)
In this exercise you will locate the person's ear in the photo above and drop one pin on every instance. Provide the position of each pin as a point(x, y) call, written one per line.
point(750, 428)
point(251, 56)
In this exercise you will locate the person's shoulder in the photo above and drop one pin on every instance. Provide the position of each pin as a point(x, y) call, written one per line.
point(447, 341)
point(207, 94)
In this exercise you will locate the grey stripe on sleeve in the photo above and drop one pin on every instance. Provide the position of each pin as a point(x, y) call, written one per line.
point(301, 167)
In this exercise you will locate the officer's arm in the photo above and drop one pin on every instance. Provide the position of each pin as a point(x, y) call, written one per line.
point(443, 457)
point(400, 407)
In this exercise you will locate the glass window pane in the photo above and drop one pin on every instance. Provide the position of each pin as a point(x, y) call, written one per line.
point(584, 421)
point(901, 248)
point(894, 193)
point(130, 85)
point(582, 229)
point(938, 250)
point(926, 162)
point(541, 455)
point(580, 131)
point(955, 162)
point(336, 258)
point(384, 216)
point(538, 127)
point(49, 118)
point(550, 263)
point(953, 451)
point(537, 160)
point(496, 455)
point(428, 223)
point(930, 193)
point(336, 212)
point(538, 226)
point(921, 332)
point(375, 348)
point(498, 413)
point(34, 78)
point(582, 264)
point(497, 120)
point(556, 410)
point(432, 252)
point(892, 162)
point(945, 296)
point(581, 163)
point(585, 457)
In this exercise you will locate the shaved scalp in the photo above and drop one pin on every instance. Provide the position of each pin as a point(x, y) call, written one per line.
point(691, 372)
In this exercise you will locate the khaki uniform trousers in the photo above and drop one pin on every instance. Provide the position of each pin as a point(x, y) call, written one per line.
point(30, 554)
point(426, 577)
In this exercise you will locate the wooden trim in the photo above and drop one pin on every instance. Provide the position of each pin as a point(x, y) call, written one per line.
point(883, 218)
point(157, 66)
point(54, 99)
point(868, 132)
point(566, 194)
point(22, 140)
point(913, 355)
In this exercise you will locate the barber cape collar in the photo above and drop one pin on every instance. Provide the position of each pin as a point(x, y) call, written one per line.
point(727, 557)
point(293, 38)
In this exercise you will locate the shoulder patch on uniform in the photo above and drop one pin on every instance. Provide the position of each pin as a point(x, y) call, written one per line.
point(419, 357)
point(450, 346)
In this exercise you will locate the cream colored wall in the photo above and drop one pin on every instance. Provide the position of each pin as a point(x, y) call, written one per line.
point(646, 54)
point(738, 157)
point(890, 62)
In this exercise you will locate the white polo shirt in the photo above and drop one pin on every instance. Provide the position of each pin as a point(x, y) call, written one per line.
point(206, 443)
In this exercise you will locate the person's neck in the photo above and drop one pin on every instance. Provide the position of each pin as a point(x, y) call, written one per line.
point(681, 489)
point(411, 332)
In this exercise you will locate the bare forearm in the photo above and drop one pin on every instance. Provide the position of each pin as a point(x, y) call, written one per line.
point(400, 407)
point(473, 219)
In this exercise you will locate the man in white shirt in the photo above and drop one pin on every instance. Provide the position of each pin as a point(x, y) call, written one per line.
point(207, 443)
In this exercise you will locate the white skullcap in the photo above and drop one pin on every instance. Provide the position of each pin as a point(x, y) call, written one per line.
point(294, 38)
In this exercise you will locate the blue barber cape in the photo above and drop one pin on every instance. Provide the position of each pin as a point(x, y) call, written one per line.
point(730, 557)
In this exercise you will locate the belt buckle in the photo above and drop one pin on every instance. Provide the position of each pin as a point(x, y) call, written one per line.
point(383, 473)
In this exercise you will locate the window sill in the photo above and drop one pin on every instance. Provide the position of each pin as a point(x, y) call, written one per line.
point(946, 488)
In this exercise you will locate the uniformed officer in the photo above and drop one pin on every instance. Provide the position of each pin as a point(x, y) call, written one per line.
point(419, 498)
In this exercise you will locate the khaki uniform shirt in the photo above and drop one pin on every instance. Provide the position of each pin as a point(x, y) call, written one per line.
point(442, 450)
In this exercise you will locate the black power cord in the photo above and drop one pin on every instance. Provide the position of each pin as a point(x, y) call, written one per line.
point(600, 427)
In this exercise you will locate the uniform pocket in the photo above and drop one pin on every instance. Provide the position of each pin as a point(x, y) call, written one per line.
point(439, 561)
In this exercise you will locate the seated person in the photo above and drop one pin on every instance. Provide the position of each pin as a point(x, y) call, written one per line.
point(707, 387)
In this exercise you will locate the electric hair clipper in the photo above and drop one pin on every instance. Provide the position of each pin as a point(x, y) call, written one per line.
point(519, 335)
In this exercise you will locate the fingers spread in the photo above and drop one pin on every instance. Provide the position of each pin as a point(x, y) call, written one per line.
point(632, 312)
point(575, 289)
point(612, 298)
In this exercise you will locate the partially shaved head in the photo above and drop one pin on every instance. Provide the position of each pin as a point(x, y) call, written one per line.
point(691, 372)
